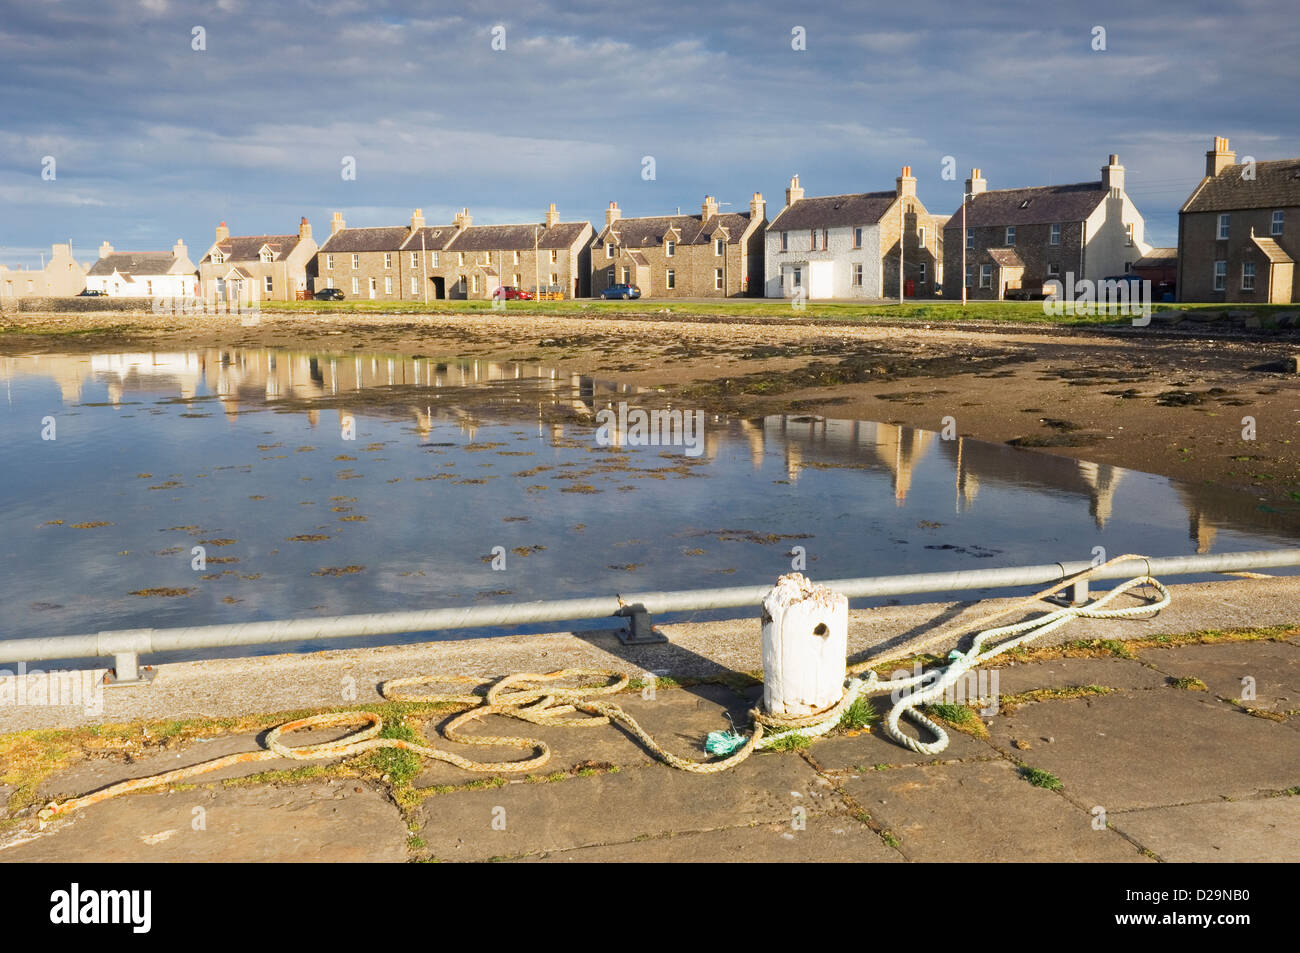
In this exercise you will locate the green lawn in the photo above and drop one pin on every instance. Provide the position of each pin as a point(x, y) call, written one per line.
point(1029, 312)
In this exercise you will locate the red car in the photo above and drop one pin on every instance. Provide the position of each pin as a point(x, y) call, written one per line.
point(511, 293)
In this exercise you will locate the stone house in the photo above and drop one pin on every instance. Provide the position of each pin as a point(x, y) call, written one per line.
point(457, 261)
point(1018, 239)
point(711, 255)
point(248, 268)
point(62, 276)
point(144, 274)
point(1239, 231)
point(847, 246)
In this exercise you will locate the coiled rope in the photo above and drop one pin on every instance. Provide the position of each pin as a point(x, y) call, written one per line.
point(532, 698)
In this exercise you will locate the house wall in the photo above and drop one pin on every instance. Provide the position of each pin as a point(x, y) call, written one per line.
point(839, 251)
point(694, 268)
point(1108, 252)
point(1033, 245)
point(62, 276)
point(1199, 247)
point(145, 286)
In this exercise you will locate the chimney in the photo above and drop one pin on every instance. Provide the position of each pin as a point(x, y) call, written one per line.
point(417, 220)
point(105, 249)
point(757, 208)
point(179, 249)
point(1112, 175)
point(612, 214)
point(709, 208)
point(552, 217)
point(905, 184)
point(463, 219)
point(1219, 158)
point(337, 224)
point(304, 229)
point(223, 233)
point(976, 183)
point(793, 193)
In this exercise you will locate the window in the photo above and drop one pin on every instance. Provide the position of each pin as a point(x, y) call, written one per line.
point(717, 279)
point(356, 262)
point(266, 255)
point(921, 274)
point(812, 239)
point(717, 246)
point(920, 236)
point(609, 277)
point(670, 280)
point(609, 249)
point(460, 281)
point(356, 286)
point(460, 259)
point(474, 283)
point(986, 276)
point(798, 278)
point(415, 259)
point(329, 262)
point(1056, 233)
point(785, 241)
point(1224, 221)
point(857, 238)
point(415, 285)
point(555, 256)
point(825, 238)
point(388, 284)
point(1128, 233)
point(1220, 275)
point(1247, 276)
point(970, 275)
point(857, 275)
point(1053, 269)
point(433, 259)
point(970, 238)
point(1011, 235)
point(627, 276)
point(1277, 222)
point(487, 258)
point(266, 284)
point(516, 261)
point(670, 248)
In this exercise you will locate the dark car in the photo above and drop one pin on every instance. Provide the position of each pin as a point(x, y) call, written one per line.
point(511, 293)
point(621, 291)
point(90, 293)
point(328, 294)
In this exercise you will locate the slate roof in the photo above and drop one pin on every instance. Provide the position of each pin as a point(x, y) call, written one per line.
point(834, 211)
point(1157, 257)
point(1006, 257)
point(386, 238)
point(1276, 185)
point(436, 238)
point(1032, 206)
point(518, 237)
point(141, 263)
point(647, 231)
point(1272, 249)
point(248, 247)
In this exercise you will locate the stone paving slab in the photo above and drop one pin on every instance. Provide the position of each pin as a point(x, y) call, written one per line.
point(826, 839)
point(336, 822)
point(1274, 666)
point(865, 750)
point(1265, 829)
point(1017, 677)
point(1143, 749)
point(981, 812)
point(620, 807)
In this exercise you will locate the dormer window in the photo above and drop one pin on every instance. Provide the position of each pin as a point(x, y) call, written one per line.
point(266, 255)
point(670, 248)
point(609, 249)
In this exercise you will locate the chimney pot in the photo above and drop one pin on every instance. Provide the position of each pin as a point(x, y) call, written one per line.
point(1219, 159)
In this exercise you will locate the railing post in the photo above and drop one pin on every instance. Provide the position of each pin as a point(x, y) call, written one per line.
point(640, 629)
point(125, 647)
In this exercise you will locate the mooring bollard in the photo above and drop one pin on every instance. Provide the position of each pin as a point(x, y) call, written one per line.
point(805, 644)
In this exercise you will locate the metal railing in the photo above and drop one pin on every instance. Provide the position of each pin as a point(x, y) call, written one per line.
point(126, 645)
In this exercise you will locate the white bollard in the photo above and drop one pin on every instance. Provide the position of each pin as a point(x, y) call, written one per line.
point(805, 645)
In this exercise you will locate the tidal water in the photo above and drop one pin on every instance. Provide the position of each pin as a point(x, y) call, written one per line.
point(326, 484)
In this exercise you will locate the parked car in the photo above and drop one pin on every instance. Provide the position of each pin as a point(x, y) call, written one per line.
point(328, 294)
point(621, 291)
point(90, 293)
point(511, 293)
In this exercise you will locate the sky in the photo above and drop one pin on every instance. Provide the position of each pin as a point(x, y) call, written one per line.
point(153, 140)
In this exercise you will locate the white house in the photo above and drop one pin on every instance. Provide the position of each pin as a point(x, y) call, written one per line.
point(846, 246)
point(144, 274)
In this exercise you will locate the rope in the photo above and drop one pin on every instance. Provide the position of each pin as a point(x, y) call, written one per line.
point(531, 697)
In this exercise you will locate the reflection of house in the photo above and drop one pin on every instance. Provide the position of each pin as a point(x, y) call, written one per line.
point(61, 276)
point(247, 268)
point(144, 274)
point(1232, 239)
point(1018, 239)
point(711, 255)
point(846, 246)
point(461, 260)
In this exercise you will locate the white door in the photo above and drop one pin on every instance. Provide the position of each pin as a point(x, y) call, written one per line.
point(820, 284)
